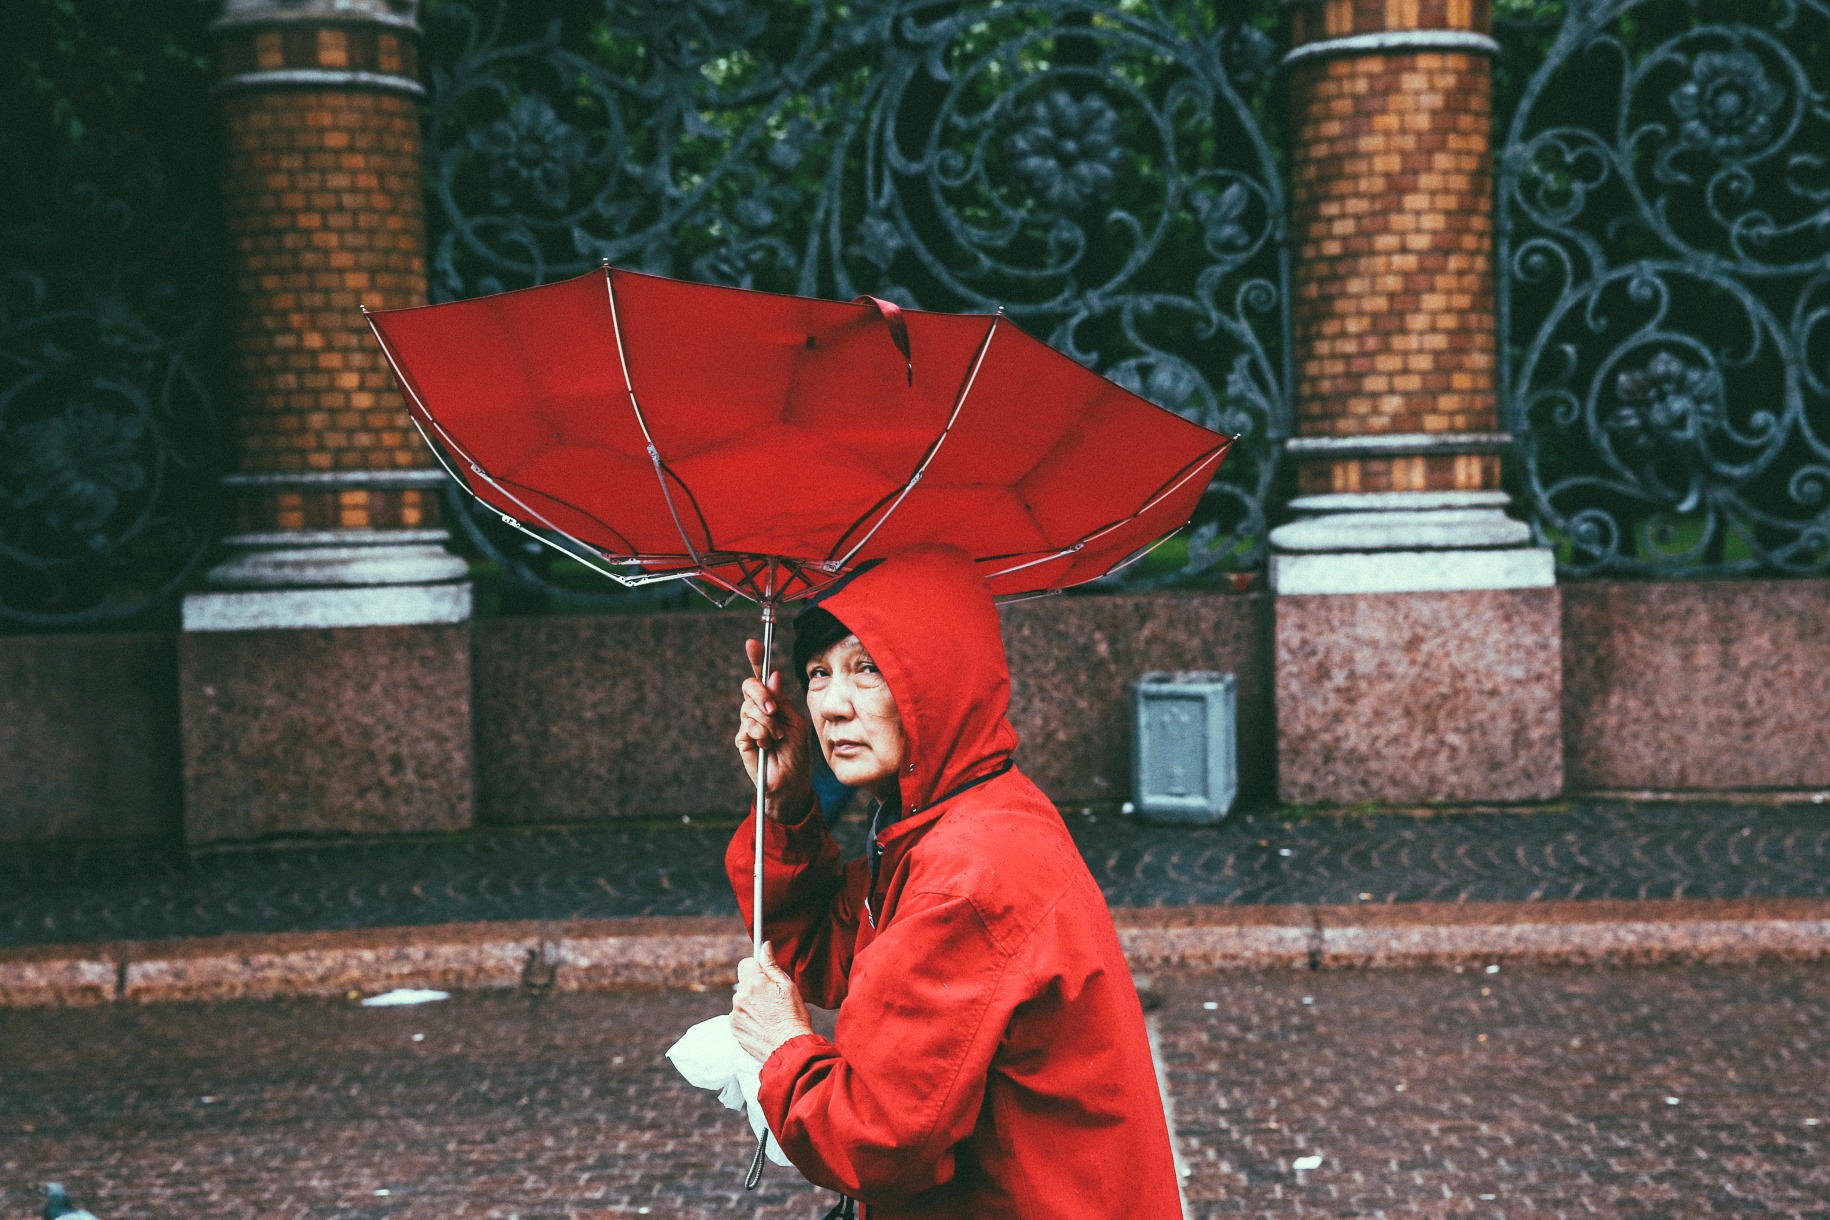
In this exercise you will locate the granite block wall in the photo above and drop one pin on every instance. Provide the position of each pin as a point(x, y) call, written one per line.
point(1697, 685)
point(631, 716)
point(89, 736)
point(1072, 660)
point(604, 717)
point(1666, 686)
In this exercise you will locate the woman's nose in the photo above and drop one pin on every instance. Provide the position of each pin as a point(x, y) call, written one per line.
point(837, 703)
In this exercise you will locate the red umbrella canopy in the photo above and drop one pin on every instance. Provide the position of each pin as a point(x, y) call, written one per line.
point(766, 444)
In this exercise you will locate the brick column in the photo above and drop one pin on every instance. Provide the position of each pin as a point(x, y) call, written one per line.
point(1437, 679)
point(336, 496)
point(325, 675)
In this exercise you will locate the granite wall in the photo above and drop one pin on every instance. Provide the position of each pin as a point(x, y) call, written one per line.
point(1666, 686)
point(631, 716)
point(89, 736)
point(1697, 685)
point(612, 716)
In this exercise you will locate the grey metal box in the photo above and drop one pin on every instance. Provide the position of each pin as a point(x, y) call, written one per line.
point(1184, 746)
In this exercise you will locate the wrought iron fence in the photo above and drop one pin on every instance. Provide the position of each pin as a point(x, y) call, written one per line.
point(1665, 286)
point(110, 354)
point(1101, 171)
point(1107, 172)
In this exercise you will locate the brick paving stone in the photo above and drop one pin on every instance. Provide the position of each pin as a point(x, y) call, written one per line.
point(509, 1108)
point(1588, 849)
point(1421, 1090)
point(1532, 1092)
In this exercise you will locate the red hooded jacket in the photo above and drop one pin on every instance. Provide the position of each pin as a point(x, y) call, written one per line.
point(990, 1058)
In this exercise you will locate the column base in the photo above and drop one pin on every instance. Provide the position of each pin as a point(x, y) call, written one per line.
point(1406, 542)
point(374, 606)
point(1417, 698)
point(333, 578)
point(1413, 571)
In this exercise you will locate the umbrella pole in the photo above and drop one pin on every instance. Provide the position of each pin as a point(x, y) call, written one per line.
point(762, 785)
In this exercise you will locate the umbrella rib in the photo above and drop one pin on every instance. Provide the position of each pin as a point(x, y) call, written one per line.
point(921, 467)
point(654, 455)
point(505, 482)
point(451, 442)
point(1170, 487)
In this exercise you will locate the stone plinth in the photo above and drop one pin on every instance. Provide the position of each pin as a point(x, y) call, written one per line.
point(1692, 685)
point(355, 731)
point(1411, 698)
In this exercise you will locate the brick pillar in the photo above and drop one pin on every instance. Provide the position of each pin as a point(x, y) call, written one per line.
point(1396, 693)
point(336, 496)
point(325, 673)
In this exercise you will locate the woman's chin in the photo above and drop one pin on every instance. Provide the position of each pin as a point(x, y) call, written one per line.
point(858, 773)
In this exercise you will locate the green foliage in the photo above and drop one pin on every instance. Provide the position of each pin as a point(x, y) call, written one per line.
point(74, 70)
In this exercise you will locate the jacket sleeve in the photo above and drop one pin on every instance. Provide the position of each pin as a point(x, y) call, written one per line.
point(811, 901)
point(878, 1111)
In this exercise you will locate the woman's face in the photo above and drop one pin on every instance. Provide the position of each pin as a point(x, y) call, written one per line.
point(855, 716)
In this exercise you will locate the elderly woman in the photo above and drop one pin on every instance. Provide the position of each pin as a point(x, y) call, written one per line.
point(990, 1058)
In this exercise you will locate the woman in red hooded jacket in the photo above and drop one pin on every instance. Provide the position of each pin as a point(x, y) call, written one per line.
point(990, 1057)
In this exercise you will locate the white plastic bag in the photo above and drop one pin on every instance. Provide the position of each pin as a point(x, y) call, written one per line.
point(709, 1056)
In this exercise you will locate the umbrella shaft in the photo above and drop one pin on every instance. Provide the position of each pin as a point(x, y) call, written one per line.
point(762, 788)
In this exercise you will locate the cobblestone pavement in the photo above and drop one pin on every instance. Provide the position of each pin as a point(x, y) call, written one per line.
point(1592, 849)
point(1539, 1092)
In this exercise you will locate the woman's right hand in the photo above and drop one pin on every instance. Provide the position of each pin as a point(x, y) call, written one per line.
point(768, 721)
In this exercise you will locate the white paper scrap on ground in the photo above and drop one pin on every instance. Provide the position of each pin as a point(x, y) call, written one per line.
point(1306, 1162)
point(709, 1056)
point(405, 995)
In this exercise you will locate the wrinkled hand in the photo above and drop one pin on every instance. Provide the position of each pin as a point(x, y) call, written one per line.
point(770, 722)
point(767, 1010)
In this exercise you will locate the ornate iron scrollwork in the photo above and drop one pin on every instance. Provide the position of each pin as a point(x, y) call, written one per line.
point(1665, 287)
point(1096, 170)
point(110, 448)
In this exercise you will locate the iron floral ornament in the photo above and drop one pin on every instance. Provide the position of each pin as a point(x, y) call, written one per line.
point(1664, 290)
point(1729, 106)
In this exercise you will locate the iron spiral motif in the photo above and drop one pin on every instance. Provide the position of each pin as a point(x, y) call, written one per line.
point(1665, 287)
point(1097, 170)
point(110, 442)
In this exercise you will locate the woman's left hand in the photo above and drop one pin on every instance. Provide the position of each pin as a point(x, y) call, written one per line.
point(768, 1010)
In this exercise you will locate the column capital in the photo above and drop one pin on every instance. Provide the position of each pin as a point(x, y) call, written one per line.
point(1384, 26)
point(403, 14)
point(319, 44)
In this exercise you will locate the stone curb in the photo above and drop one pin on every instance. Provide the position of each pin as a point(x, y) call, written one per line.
point(591, 955)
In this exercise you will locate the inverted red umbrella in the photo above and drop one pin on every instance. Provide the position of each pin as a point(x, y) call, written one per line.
point(763, 445)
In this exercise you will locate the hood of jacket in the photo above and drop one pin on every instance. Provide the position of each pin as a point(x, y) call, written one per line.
point(929, 621)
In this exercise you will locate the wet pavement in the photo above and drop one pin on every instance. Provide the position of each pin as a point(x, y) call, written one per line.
point(1579, 850)
point(1530, 1092)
